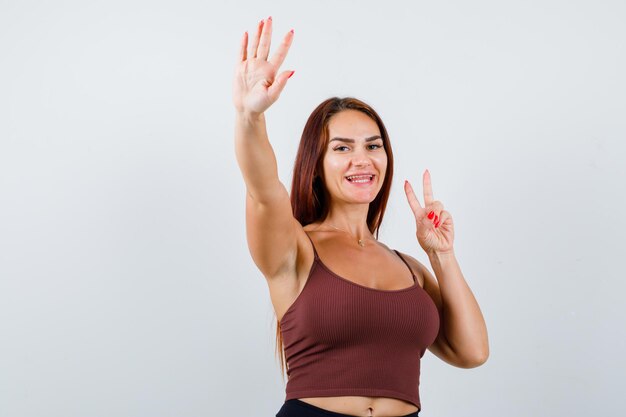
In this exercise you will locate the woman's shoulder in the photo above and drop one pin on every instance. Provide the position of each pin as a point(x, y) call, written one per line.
point(404, 255)
point(416, 266)
point(412, 261)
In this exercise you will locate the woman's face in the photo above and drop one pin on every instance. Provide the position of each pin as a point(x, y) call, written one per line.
point(355, 148)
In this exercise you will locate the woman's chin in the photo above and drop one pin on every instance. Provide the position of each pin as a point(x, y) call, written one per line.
point(359, 199)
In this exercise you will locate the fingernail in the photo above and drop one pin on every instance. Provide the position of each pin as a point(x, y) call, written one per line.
point(431, 215)
point(437, 224)
point(436, 218)
point(290, 74)
point(292, 31)
point(269, 18)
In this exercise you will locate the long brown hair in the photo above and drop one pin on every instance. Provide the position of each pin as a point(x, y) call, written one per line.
point(309, 196)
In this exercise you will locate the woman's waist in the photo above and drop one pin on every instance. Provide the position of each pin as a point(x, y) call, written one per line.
point(362, 405)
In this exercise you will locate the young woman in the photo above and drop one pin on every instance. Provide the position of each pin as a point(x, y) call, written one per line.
point(354, 317)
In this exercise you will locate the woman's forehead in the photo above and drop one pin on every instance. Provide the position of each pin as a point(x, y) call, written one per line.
point(352, 124)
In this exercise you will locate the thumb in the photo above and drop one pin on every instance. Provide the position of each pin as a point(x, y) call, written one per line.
point(277, 87)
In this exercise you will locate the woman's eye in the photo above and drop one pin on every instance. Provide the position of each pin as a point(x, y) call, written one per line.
point(372, 146)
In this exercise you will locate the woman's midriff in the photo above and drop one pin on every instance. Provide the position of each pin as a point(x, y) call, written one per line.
point(361, 406)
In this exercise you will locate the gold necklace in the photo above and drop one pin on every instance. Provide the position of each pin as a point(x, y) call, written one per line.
point(360, 241)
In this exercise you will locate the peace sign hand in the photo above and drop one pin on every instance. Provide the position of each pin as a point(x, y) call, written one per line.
point(256, 86)
point(435, 229)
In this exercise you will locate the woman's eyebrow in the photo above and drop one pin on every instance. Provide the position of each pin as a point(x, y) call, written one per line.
point(352, 140)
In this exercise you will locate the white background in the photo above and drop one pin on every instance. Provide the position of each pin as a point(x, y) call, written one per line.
point(126, 285)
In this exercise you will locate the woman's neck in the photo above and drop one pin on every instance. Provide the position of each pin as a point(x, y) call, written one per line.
point(352, 220)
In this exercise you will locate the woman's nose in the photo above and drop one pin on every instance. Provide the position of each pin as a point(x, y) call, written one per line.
point(361, 157)
point(361, 161)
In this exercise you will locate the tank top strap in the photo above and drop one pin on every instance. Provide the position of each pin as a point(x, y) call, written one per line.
point(405, 262)
point(316, 256)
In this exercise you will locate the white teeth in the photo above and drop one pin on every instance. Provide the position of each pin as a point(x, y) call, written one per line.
point(360, 178)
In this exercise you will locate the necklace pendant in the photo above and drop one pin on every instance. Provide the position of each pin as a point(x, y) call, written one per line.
point(361, 244)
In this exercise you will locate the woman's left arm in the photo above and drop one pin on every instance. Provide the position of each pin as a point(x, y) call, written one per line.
point(462, 340)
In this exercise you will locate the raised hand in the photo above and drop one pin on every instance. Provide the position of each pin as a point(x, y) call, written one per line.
point(256, 85)
point(435, 229)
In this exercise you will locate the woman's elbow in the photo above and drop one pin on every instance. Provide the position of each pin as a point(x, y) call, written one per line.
point(475, 360)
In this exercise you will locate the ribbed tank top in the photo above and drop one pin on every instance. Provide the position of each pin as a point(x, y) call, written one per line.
point(345, 339)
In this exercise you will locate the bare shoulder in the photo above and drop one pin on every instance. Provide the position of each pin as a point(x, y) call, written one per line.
point(425, 277)
point(414, 263)
point(427, 280)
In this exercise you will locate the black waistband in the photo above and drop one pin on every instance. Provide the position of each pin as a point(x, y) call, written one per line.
point(297, 408)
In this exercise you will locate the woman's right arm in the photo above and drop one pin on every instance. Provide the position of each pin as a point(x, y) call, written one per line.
point(272, 231)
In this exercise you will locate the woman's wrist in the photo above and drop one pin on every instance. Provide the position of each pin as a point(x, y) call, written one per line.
point(249, 117)
point(440, 255)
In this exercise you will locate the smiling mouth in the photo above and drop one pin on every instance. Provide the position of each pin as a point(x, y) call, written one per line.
point(360, 179)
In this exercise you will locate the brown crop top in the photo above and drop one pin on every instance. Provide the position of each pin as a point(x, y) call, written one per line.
point(342, 338)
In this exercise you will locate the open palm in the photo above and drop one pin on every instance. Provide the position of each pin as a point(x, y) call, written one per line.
point(256, 85)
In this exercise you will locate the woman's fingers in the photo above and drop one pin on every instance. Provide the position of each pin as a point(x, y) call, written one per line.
point(253, 54)
point(260, 46)
point(428, 189)
point(444, 216)
point(436, 208)
point(277, 86)
point(255, 40)
point(412, 199)
point(244, 47)
point(280, 54)
point(266, 38)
